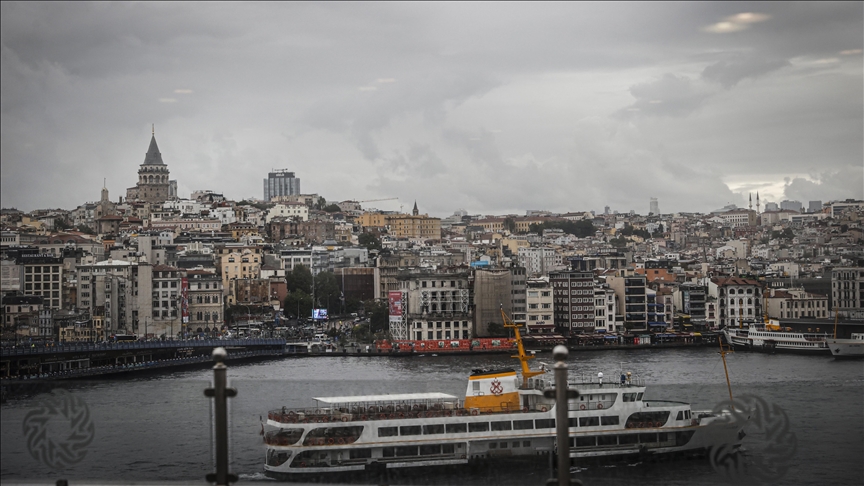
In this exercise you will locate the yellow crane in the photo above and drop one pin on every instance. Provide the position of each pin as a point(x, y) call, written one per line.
point(522, 357)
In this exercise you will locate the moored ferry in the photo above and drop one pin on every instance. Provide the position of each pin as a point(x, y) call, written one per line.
point(852, 348)
point(772, 339)
point(502, 417)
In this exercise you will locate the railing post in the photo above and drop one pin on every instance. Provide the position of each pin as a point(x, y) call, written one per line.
point(562, 395)
point(220, 393)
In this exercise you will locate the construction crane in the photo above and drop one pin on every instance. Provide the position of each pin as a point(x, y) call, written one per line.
point(378, 200)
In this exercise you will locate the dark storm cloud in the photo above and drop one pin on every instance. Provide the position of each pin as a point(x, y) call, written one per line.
point(493, 107)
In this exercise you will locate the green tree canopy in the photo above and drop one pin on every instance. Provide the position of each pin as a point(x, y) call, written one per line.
point(370, 241)
point(300, 278)
point(510, 224)
point(332, 208)
point(298, 302)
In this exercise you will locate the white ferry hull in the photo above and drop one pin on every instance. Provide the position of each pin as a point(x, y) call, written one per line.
point(744, 341)
point(846, 348)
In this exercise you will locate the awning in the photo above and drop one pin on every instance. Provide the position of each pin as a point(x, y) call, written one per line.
point(611, 337)
point(697, 333)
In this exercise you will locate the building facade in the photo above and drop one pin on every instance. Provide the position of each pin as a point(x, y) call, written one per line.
point(573, 299)
point(153, 184)
point(281, 183)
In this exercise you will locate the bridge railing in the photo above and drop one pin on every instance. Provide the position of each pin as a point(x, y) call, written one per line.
point(25, 349)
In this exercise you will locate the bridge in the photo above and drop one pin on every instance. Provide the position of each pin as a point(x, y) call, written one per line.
point(75, 360)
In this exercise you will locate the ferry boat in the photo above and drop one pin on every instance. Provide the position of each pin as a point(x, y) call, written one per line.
point(770, 338)
point(852, 348)
point(501, 418)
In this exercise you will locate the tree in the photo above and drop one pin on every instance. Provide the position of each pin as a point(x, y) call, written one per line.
point(85, 229)
point(320, 203)
point(379, 316)
point(300, 278)
point(510, 224)
point(300, 302)
point(495, 329)
point(370, 241)
point(327, 290)
point(331, 208)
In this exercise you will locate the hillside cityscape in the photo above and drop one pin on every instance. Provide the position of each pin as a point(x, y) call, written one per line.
point(152, 264)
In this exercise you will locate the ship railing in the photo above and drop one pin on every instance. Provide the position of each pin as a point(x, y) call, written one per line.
point(611, 383)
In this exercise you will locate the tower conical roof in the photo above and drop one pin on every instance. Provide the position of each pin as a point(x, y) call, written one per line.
point(153, 156)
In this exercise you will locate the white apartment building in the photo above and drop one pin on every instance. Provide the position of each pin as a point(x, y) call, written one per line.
point(539, 261)
point(288, 210)
point(539, 302)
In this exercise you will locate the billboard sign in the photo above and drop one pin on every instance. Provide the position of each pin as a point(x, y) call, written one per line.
point(394, 300)
point(319, 314)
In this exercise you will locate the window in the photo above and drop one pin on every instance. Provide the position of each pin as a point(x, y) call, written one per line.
point(589, 421)
point(434, 429)
point(523, 424)
point(478, 426)
point(409, 430)
point(544, 423)
point(502, 425)
point(388, 431)
point(457, 428)
point(609, 420)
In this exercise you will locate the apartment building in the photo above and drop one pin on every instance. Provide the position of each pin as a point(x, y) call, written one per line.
point(573, 301)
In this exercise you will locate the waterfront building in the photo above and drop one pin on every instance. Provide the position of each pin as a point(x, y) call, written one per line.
point(738, 300)
point(573, 301)
point(281, 183)
point(606, 310)
point(539, 313)
point(518, 289)
point(847, 291)
point(795, 304)
point(631, 293)
point(436, 304)
point(118, 290)
point(42, 276)
point(493, 292)
point(242, 263)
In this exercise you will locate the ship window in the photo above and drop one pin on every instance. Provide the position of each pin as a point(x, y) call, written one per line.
point(628, 439)
point(478, 426)
point(544, 423)
point(663, 437)
point(609, 420)
point(457, 428)
point(589, 421)
point(647, 419)
point(586, 441)
point(607, 440)
point(629, 397)
point(388, 451)
point(573, 422)
point(332, 432)
point(410, 430)
point(476, 386)
point(433, 429)
point(360, 453)
point(277, 458)
point(284, 436)
point(515, 444)
point(430, 450)
point(687, 414)
point(388, 431)
point(406, 451)
point(647, 438)
point(493, 445)
point(448, 449)
point(502, 445)
point(526, 443)
point(639, 397)
point(523, 424)
point(680, 415)
point(503, 425)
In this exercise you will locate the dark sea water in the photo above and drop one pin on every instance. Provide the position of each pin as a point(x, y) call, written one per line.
point(156, 428)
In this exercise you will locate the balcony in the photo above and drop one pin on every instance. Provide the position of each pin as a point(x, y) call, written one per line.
point(634, 291)
point(634, 300)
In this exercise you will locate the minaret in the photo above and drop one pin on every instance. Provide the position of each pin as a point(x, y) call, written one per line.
point(751, 201)
point(758, 206)
point(415, 212)
point(104, 191)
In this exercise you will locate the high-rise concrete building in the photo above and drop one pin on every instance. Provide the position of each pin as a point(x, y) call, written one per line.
point(814, 207)
point(281, 183)
point(654, 207)
point(573, 301)
point(792, 205)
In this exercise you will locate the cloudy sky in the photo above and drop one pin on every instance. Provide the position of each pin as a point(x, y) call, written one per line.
point(491, 107)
